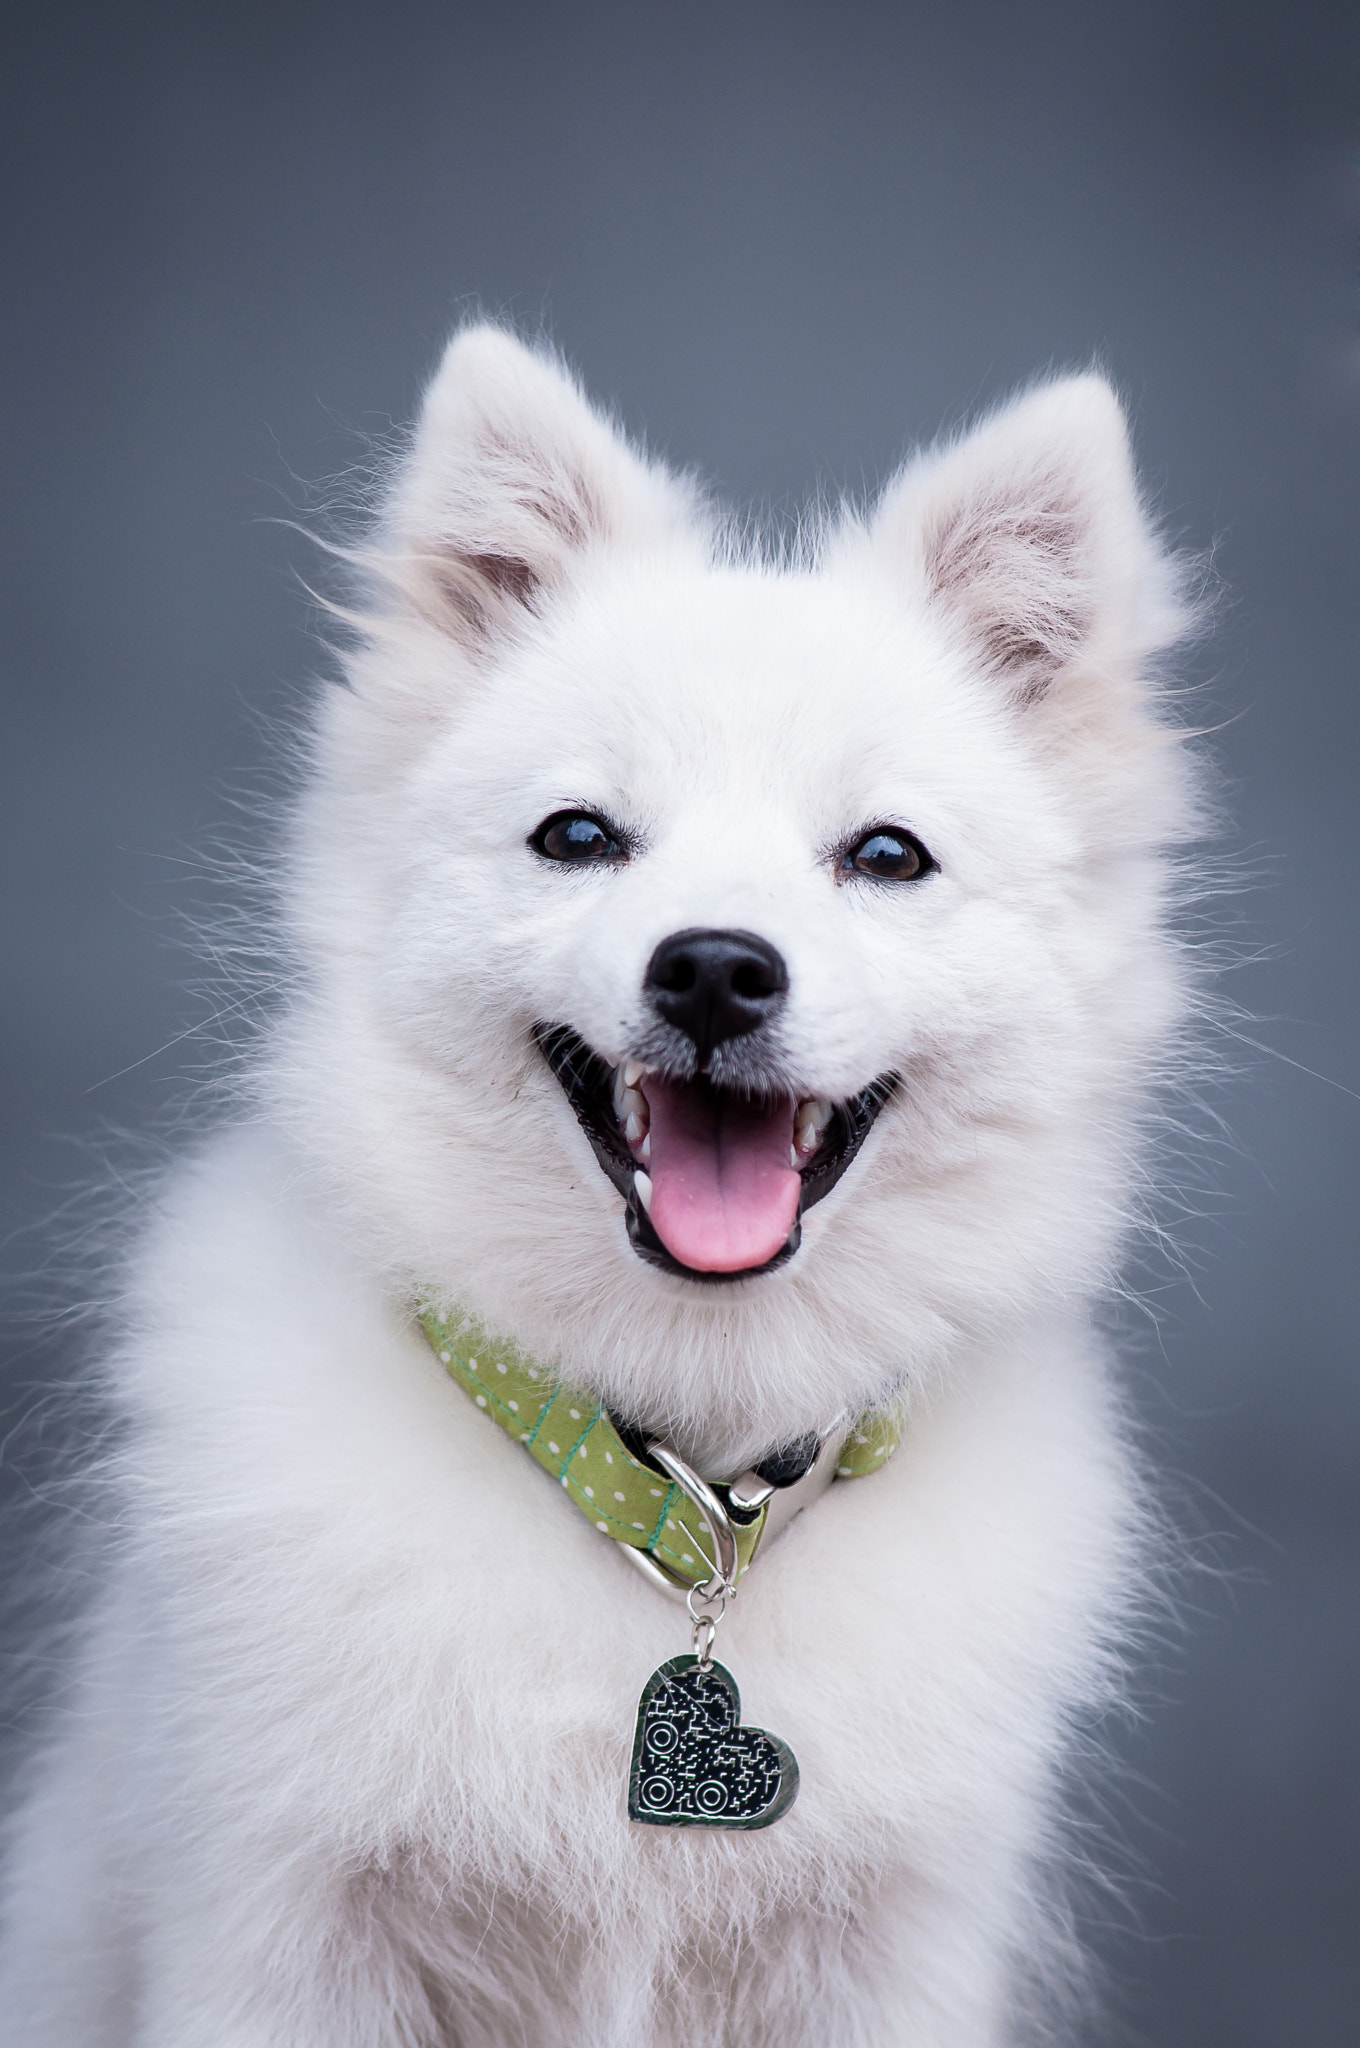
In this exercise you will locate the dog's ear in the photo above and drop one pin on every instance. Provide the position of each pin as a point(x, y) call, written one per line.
point(1028, 538)
point(511, 479)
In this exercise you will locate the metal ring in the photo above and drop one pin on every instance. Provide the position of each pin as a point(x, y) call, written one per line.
point(708, 1503)
point(705, 1628)
point(713, 1604)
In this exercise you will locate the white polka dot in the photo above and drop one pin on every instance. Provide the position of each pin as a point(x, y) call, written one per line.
point(563, 1480)
point(581, 1453)
point(637, 1525)
point(670, 1524)
point(604, 1526)
point(524, 1436)
point(445, 1356)
point(617, 1494)
point(513, 1406)
point(685, 1557)
point(472, 1365)
point(590, 1493)
point(609, 1457)
point(553, 1448)
point(655, 1491)
point(499, 1366)
point(575, 1414)
point(844, 1472)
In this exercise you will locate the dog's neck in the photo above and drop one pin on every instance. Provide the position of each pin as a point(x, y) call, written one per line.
point(632, 1487)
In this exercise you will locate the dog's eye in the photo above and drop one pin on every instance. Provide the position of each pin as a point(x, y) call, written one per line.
point(888, 855)
point(575, 835)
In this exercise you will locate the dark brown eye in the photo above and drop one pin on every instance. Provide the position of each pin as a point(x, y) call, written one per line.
point(577, 836)
point(888, 855)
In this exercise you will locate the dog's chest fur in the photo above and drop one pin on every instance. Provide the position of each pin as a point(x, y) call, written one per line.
point(441, 1660)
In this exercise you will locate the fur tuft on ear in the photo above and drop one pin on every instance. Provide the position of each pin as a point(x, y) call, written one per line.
point(511, 478)
point(1028, 535)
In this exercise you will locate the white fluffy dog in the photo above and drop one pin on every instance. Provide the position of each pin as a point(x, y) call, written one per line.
point(737, 986)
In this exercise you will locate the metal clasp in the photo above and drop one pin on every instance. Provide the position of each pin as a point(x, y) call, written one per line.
point(710, 1506)
point(748, 1495)
point(707, 1602)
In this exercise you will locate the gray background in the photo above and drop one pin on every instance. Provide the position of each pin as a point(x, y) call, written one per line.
point(787, 239)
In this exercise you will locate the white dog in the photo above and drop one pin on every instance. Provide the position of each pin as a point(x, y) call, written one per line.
point(729, 994)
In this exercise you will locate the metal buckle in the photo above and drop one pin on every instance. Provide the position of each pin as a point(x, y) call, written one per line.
point(749, 1493)
point(717, 1524)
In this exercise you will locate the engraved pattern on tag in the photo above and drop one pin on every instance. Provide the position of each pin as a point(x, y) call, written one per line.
point(694, 1765)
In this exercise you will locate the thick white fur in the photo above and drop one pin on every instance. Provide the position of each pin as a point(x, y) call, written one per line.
point(346, 1761)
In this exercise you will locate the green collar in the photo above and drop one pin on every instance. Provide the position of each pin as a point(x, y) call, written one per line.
point(573, 1437)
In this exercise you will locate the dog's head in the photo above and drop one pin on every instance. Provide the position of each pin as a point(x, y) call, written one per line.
point(737, 979)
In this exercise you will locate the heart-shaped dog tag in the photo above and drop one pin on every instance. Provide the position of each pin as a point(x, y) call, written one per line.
point(694, 1765)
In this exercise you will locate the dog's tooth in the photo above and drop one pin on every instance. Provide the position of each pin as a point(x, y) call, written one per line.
point(634, 1115)
point(618, 1091)
point(642, 1186)
point(645, 1148)
point(632, 1073)
point(810, 1120)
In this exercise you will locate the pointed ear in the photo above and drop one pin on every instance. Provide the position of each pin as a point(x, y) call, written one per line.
point(510, 480)
point(1027, 536)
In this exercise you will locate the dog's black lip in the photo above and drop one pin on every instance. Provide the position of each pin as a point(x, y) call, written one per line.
point(588, 1084)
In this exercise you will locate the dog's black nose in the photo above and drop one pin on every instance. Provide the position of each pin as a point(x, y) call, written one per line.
point(716, 985)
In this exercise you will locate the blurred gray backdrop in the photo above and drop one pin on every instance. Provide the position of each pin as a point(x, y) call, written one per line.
point(787, 239)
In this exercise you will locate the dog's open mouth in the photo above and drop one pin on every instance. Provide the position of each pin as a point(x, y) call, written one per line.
point(716, 1182)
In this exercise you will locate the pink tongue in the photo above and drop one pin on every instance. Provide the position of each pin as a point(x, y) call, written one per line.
point(724, 1196)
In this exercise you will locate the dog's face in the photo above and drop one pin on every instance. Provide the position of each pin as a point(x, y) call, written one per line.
point(729, 952)
point(721, 857)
